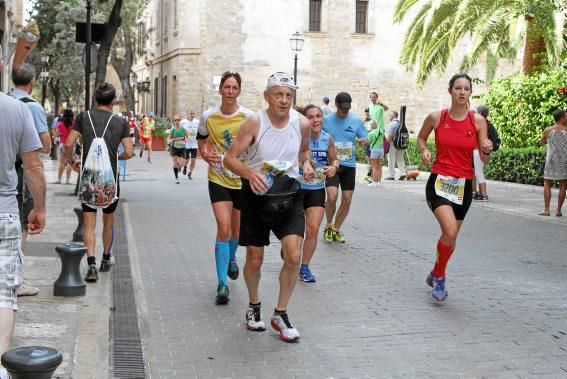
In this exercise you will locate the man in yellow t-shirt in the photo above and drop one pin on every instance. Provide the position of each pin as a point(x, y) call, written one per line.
point(147, 127)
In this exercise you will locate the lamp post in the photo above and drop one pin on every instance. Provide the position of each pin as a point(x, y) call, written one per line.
point(44, 77)
point(133, 84)
point(296, 42)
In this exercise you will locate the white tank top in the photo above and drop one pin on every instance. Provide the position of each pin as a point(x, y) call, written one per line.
point(280, 144)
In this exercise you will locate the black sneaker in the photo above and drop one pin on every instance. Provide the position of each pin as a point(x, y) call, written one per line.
point(482, 198)
point(184, 170)
point(92, 274)
point(106, 264)
point(222, 295)
point(475, 195)
point(233, 270)
point(189, 175)
point(141, 152)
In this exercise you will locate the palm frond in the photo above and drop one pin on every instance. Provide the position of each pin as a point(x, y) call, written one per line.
point(401, 9)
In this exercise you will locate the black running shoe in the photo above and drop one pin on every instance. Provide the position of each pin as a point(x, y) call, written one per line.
point(189, 175)
point(92, 274)
point(222, 295)
point(184, 170)
point(106, 264)
point(233, 270)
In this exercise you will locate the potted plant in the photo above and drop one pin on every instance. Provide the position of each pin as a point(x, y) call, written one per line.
point(160, 134)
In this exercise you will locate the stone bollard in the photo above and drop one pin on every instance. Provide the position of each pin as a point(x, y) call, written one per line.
point(70, 282)
point(78, 233)
point(32, 362)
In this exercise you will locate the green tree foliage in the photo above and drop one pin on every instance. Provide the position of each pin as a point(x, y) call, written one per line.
point(521, 105)
point(497, 28)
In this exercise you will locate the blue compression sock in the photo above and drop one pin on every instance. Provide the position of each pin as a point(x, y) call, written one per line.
point(233, 244)
point(222, 255)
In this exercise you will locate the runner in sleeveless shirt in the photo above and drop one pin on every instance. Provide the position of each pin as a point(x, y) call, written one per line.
point(325, 162)
point(191, 125)
point(147, 127)
point(217, 129)
point(279, 135)
point(458, 131)
point(177, 138)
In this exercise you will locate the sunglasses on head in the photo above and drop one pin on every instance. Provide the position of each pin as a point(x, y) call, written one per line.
point(228, 74)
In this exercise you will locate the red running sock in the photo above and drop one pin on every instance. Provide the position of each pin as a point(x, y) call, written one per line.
point(443, 255)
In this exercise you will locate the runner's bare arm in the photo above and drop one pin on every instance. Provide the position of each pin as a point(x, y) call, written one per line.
point(245, 138)
point(304, 150)
point(543, 139)
point(428, 125)
point(332, 159)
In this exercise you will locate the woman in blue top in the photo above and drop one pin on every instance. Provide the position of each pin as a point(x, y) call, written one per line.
point(326, 164)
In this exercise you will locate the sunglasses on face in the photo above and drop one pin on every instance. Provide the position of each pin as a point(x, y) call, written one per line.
point(176, 119)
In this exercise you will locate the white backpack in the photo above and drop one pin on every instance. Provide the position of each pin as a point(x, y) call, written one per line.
point(97, 187)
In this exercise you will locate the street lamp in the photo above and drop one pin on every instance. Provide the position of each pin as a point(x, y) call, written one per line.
point(296, 42)
point(45, 77)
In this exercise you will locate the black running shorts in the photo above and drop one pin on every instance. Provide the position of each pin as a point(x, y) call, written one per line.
point(190, 153)
point(254, 232)
point(313, 198)
point(434, 201)
point(219, 193)
point(346, 177)
point(175, 152)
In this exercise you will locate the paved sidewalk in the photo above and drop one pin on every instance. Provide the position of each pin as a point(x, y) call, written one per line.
point(513, 198)
point(76, 326)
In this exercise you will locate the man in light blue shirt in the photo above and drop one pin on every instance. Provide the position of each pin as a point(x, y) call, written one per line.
point(346, 130)
point(23, 76)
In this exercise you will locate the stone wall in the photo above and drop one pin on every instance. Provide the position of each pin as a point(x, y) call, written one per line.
point(252, 37)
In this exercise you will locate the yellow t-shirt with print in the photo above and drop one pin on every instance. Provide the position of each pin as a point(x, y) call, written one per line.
point(221, 130)
point(147, 127)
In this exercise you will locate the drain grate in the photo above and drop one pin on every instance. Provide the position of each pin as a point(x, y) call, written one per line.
point(126, 348)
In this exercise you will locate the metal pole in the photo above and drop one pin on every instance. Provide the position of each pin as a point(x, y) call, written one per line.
point(295, 78)
point(88, 41)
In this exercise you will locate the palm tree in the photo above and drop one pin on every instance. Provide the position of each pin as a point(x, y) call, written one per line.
point(497, 28)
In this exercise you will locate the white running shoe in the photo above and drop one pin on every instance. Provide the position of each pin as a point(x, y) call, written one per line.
point(281, 324)
point(255, 319)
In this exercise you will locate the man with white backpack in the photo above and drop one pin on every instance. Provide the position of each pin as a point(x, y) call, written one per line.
point(102, 132)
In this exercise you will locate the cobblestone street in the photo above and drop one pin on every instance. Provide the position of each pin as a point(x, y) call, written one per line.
point(370, 314)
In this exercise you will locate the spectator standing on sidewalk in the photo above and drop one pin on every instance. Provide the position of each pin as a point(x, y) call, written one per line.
point(23, 76)
point(346, 130)
point(275, 138)
point(114, 130)
point(395, 156)
point(376, 142)
point(458, 131)
point(18, 138)
point(325, 163)
point(479, 181)
point(326, 109)
point(367, 120)
point(555, 161)
point(62, 130)
point(217, 129)
point(192, 126)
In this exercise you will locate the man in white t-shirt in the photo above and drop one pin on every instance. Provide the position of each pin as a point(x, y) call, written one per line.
point(191, 125)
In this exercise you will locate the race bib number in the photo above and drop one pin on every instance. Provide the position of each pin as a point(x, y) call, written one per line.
point(319, 176)
point(179, 144)
point(452, 189)
point(344, 150)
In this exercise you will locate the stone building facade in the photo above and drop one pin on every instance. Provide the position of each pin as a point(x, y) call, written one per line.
point(350, 45)
point(11, 17)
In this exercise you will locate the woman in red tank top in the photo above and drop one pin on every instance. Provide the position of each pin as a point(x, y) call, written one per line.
point(458, 131)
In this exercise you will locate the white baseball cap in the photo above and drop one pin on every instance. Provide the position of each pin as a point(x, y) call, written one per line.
point(281, 79)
